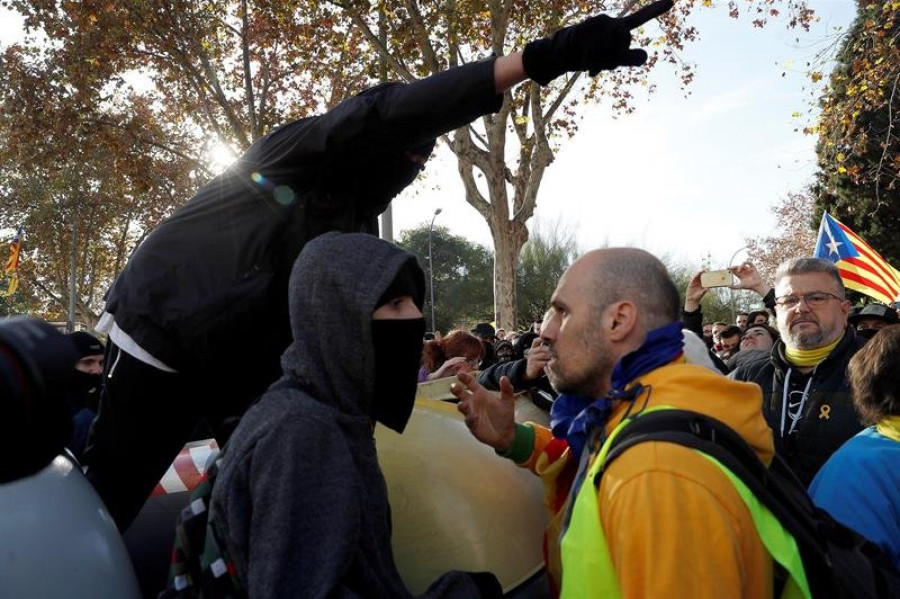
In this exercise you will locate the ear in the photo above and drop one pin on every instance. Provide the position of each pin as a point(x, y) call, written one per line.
point(622, 320)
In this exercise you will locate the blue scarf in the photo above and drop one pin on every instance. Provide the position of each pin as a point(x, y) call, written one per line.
point(574, 416)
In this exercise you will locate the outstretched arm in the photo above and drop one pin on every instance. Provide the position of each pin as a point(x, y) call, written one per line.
point(596, 44)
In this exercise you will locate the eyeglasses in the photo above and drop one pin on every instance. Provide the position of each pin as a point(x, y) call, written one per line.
point(813, 300)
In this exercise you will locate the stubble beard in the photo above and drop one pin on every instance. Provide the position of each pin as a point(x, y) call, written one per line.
point(806, 340)
point(796, 339)
point(595, 376)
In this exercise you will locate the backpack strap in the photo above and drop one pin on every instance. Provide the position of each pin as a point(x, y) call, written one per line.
point(776, 486)
point(690, 429)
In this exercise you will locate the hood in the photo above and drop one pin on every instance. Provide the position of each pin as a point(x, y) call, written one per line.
point(695, 388)
point(334, 287)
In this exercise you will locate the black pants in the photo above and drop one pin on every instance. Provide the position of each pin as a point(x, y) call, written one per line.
point(146, 416)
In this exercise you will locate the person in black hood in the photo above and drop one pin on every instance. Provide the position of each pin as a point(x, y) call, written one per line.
point(300, 495)
point(215, 273)
point(84, 398)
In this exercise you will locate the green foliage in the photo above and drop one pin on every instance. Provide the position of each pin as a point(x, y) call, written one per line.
point(463, 277)
point(11, 305)
point(859, 133)
point(542, 261)
point(463, 274)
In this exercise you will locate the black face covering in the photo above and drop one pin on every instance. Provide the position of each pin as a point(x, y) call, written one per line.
point(866, 333)
point(85, 382)
point(389, 177)
point(398, 353)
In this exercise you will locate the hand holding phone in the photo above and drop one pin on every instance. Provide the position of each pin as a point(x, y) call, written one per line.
point(716, 278)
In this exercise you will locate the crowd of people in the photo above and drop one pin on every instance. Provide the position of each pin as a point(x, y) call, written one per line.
point(299, 506)
point(809, 378)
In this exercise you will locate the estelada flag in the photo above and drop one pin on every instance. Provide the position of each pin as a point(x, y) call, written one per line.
point(15, 247)
point(861, 268)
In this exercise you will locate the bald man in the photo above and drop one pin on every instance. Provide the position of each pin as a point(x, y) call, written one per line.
point(616, 351)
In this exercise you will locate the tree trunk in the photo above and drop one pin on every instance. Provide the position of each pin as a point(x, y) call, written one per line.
point(509, 237)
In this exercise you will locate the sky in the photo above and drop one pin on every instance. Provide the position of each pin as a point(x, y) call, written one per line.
point(686, 177)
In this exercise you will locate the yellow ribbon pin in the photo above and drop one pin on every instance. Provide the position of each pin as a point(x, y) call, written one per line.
point(824, 412)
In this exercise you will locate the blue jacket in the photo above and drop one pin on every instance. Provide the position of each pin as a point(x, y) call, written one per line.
point(860, 487)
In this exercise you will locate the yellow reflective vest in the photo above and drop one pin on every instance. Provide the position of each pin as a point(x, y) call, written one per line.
point(587, 567)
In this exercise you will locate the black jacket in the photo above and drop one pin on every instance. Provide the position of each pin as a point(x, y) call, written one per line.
point(206, 293)
point(828, 418)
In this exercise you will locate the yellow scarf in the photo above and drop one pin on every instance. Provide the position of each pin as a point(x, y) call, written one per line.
point(809, 357)
point(889, 426)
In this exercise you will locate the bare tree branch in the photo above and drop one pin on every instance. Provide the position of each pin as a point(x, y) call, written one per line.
point(248, 78)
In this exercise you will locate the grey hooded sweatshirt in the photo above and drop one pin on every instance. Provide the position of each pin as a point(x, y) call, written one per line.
point(300, 492)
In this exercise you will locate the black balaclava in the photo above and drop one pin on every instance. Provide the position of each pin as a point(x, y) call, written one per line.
point(398, 352)
point(86, 384)
point(385, 177)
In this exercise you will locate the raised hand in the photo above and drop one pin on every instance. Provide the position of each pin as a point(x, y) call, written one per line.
point(490, 418)
point(748, 278)
point(538, 357)
point(598, 43)
point(694, 293)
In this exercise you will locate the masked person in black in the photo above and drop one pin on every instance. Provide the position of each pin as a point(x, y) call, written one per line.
point(216, 272)
point(300, 496)
point(84, 397)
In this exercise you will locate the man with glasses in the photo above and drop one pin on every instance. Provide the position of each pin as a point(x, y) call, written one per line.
point(806, 396)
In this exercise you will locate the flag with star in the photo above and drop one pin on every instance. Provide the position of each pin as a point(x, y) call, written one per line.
point(861, 268)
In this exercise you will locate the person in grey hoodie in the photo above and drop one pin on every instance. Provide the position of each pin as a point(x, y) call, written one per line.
point(300, 494)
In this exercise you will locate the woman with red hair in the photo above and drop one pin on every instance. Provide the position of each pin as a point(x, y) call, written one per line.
point(458, 351)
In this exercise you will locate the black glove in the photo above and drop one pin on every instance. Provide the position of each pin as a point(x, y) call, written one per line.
point(596, 44)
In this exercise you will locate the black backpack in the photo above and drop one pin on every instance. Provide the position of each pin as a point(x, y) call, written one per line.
point(839, 562)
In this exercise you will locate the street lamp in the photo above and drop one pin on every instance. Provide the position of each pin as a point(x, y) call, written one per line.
point(431, 269)
point(734, 255)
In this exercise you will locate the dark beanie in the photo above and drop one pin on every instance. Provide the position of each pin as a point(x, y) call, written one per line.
point(410, 280)
point(86, 344)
